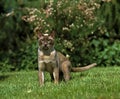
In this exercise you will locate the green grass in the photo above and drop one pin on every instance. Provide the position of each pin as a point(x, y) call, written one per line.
point(97, 83)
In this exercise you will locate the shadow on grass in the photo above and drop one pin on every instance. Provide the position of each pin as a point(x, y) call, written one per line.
point(79, 75)
point(3, 77)
point(83, 74)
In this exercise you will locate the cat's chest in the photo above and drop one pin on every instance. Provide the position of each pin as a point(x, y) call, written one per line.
point(47, 59)
point(51, 58)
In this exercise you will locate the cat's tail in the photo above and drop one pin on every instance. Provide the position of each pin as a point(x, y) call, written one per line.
point(80, 69)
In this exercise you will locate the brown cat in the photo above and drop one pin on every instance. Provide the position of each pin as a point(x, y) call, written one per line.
point(54, 62)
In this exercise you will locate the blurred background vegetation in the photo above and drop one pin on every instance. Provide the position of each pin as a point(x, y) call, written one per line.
point(86, 30)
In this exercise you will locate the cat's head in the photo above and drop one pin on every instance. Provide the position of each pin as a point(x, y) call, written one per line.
point(46, 41)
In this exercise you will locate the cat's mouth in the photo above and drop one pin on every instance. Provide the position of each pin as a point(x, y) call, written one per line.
point(45, 48)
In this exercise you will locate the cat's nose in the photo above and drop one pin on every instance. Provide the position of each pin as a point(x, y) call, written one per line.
point(45, 44)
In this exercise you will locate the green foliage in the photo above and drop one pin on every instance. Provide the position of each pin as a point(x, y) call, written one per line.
point(108, 53)
point(86, 30)
point(28, 57)
point(86, 85)
point(111, 14)
point(15, 34)
point(5, 66)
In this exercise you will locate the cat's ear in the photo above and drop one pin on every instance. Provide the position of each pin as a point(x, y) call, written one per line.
point(39, 34)
point(52, 34)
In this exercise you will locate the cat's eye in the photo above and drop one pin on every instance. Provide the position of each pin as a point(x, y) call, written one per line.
point(49, 42)
point(41, 41)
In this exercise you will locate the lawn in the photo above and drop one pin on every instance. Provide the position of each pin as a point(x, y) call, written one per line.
point(97, 83)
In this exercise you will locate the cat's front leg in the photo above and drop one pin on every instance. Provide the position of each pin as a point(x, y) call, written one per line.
point(56, 75)
point(41, 73)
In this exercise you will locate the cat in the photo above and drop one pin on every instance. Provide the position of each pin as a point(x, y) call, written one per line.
point(53, 61)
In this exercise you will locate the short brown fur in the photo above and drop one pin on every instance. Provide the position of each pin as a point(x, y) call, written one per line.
point(54, 62)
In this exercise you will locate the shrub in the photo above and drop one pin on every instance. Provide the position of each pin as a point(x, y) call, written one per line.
point(28, 56)
point(108, 53)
